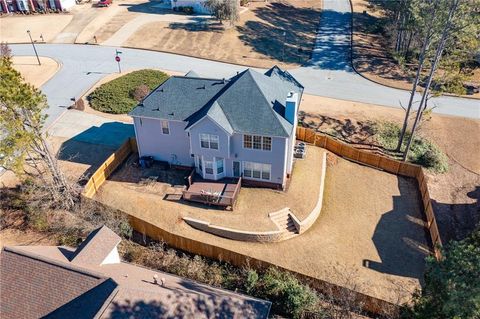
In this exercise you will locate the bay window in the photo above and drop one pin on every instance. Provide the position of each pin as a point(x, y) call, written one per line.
point(220, 166)
point(208, 167)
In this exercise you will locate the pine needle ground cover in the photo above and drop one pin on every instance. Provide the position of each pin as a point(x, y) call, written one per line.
point(119, 96)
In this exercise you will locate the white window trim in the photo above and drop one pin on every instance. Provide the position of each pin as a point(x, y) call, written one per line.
point(261, 143)
point(209, 141)
point(161, 127)
point(261, 172)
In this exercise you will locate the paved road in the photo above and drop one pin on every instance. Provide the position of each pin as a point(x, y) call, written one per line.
point(328, 74)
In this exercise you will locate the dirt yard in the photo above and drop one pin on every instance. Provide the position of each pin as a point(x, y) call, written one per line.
point(256, 39)
point(147, 193)
point(455, 193)
point(370, 55)
point(33, 73)
point(14, 29)
point(17, 237)
point(369, 227)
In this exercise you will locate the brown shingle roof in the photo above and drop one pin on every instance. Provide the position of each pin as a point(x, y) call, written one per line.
point(32, 286)
point(95, 248)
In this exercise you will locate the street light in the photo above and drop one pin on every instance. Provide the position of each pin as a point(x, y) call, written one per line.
point(284, 41)
point(34, 49)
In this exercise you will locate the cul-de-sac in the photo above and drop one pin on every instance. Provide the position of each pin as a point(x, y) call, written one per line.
point(306, 159)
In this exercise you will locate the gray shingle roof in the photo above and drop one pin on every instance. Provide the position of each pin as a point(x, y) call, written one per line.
point(249, 102)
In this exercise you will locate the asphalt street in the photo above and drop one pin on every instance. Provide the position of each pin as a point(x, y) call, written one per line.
point(328, 74)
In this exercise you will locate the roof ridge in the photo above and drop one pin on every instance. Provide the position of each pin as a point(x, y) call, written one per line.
point(68, 266)
point(223, 112)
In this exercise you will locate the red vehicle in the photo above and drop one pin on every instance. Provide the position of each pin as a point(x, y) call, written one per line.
point(104, 3)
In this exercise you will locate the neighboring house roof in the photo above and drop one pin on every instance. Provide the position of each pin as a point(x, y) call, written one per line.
point(39, 281)
point(96, 247)
point(250, 102)
point(32, 286)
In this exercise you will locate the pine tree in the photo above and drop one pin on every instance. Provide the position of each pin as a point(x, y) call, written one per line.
point(23, 142)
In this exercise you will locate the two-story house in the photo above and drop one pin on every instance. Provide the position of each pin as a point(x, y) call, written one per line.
point(242, 126)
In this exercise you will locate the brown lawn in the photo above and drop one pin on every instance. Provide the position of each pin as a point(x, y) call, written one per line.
point(256, 39)
point(146, 191)
point(455, 193)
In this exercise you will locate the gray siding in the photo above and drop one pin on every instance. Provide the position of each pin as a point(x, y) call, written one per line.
point(275, 157)
point(207, 126)
point(151, 141)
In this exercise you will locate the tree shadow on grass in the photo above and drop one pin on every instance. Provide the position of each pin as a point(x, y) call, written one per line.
point(401, 239)
point(190, 300)
point(281, 24)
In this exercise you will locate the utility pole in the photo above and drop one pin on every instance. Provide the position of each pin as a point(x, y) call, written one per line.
point(34, 49)
point(117, 58)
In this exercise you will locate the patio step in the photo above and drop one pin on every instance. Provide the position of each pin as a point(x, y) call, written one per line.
point(284, 222)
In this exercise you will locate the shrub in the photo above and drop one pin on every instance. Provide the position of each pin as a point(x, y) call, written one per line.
point(288, 295)
point(422, 151)
point(140, 92)
point(187, 10)
point(452, 285)
point(116, 96)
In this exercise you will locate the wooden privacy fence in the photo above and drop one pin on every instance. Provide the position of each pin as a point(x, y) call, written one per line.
point(107, 167)
point(383, 163)
point(367, 303)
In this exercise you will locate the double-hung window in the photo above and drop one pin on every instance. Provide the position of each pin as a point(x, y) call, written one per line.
point(209, 141)
point(257, 170)
point(165, 127)
point(257, 142)
point(220, 166)
point(208, 167)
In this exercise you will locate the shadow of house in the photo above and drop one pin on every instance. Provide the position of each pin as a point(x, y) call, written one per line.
point(400, 236)
point(94, 145)
point(457, 221)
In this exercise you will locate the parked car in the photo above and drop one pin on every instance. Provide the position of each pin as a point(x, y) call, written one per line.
point(104, 3)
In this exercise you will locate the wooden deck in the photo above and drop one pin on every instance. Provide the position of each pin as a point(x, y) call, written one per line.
point(223, 192)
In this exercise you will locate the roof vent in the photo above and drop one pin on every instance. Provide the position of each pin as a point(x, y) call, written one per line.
point(171, 114)
point(157, 109)
point(290, 94)
point(224, 81)
point(161, 90)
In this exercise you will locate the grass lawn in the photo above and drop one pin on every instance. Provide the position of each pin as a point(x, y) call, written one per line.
point(118, 96)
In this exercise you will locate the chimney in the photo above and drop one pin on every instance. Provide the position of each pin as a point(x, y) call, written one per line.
point(291, 105)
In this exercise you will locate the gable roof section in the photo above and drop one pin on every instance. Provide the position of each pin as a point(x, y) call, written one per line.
point(34, 286)
point(96, 247)
point(178, 98)
point(249, 102)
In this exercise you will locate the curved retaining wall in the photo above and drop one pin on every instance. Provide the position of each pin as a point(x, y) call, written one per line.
point(265, 236)
point(235, 234)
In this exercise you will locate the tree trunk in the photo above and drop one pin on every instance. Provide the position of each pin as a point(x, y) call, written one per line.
point(438, 55)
